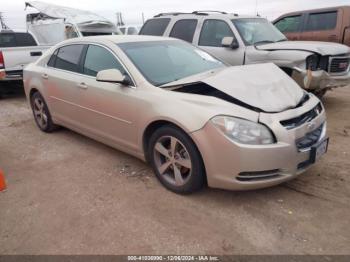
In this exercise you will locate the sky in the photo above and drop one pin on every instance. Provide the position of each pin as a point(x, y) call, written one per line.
point(14, 14)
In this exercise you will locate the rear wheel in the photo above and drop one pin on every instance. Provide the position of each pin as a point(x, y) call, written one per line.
point(41, 113)
point(176, 160)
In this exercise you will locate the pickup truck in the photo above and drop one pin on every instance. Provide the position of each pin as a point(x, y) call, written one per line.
point(330, 24)
point(243, 40)
point(17, 49)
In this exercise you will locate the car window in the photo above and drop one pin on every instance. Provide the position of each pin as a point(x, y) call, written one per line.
point(122, 29)
point(52, 60)
point(155, 26)
point(213, 31)
point(68, 57)
point(132, 31)
point(7, 40)
point(98, 58)
point(322, 21)
point(25, 39)
point(256, 31)
point(162, 62)
point(289, 24)
point(184, 29)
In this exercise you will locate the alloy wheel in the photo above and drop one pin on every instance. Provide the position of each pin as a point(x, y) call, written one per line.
point(172, 160)
point(40, 113)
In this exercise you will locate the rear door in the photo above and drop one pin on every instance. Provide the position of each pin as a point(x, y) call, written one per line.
point(20, 49)
point(323, 26)
point(291, 26)
point(62, 81)
point(211, 34)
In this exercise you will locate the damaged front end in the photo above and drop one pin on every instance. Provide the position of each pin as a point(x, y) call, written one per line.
point(323, 73)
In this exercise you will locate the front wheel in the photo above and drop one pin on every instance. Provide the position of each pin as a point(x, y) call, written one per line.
point(176, 160)
point(320, 93)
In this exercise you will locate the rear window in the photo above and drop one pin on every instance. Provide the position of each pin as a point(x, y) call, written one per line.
point(155, 27)
point(25, 39)
point(322, 21)
point(68, 58)
point(16, 40)
point(184, 29)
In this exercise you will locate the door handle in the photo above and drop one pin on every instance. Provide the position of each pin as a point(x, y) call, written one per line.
point(39, 53)
point(82, 85)
point(45, 76)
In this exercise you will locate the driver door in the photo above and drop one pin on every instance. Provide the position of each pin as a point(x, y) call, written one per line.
point(210, 38)
point(110, 110)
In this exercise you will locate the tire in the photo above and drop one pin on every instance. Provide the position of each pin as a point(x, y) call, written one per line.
point(176, 160)
point(41, 113)
point(321, 93)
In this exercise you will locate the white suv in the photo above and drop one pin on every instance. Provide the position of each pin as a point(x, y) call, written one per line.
point(241, 40)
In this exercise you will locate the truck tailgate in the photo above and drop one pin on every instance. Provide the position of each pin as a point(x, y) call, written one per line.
point(16, 58)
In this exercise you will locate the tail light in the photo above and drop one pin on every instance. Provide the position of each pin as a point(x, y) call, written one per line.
point(2, 67)
point(2, 62)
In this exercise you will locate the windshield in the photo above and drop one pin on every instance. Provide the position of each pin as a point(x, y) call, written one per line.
point(162, 62)
point(258, 31)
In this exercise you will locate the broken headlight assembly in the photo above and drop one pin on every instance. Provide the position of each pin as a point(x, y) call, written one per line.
point(243, 131)
point(316, 62)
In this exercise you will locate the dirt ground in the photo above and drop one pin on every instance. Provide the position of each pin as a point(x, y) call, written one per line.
point(68, 194)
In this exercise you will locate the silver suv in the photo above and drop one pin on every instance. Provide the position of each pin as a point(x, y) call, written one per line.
point(241, 40)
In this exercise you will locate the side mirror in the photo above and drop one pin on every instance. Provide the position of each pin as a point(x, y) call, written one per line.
point(113, 76)
point(229, 42)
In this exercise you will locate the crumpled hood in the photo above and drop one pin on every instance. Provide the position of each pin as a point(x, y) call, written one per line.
point(322, 48)
point(263, 86)
point(70, 15)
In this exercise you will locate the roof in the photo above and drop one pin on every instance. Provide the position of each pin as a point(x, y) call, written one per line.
point(211, 14)
point(117, 39)
point(71, 15)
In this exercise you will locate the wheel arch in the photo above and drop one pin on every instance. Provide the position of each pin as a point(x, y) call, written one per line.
point(153, 126)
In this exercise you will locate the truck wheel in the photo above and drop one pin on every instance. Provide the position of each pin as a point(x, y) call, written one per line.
point(320, 93)
point(176, 160)
point(41, 113)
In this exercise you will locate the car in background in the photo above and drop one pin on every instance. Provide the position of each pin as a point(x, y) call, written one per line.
point(130, 30)
point(243, 40)
point(327, 24)
point(52, 23)
point(192, 117)
point(17, 49)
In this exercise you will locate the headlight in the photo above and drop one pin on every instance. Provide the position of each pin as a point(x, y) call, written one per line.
point(244, 131)
point(312, 62)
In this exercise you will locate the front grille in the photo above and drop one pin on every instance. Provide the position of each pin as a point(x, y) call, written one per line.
point(302, 119)
point(258, 176)
point(339, 64)
point(309, 139)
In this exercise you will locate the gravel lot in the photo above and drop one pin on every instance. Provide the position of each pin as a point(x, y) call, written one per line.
point(68, 194)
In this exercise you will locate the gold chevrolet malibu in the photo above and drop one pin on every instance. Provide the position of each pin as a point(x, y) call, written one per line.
point(194, 119)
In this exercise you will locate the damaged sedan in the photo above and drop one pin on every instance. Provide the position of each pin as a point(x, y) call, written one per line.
point(196, 120)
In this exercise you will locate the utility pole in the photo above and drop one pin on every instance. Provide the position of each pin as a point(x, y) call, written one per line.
point(2, 22)
point(119, 19)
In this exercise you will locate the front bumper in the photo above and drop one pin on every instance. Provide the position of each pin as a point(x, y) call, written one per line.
point(320, 80)
point(226, 162)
